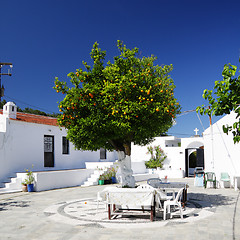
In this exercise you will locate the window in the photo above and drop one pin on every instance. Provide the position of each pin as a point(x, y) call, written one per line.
point(103, 153)
point(65, 145)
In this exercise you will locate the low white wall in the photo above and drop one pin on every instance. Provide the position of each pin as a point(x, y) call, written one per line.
point(95, 165)
point(138, 167)
point(170, 173)
point(144, 176)
point(59, 179)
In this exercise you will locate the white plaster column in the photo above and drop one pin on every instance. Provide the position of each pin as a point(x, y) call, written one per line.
point(126, 175)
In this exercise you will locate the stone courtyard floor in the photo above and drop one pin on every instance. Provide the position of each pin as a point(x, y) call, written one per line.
point(72, 213)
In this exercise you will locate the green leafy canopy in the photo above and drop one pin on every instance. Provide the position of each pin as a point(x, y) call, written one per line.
point(112, 105)
point(227, 98)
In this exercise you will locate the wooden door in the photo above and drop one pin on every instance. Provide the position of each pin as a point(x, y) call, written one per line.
point(48, 151)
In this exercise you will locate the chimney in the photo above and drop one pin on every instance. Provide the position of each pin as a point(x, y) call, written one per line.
point(10, 110)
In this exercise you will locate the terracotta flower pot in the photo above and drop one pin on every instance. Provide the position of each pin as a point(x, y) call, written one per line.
point(24, 188)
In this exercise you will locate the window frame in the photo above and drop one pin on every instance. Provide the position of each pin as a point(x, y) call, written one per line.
point(65, 146)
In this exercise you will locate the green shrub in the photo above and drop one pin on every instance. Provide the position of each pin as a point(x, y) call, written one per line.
point(157, 157)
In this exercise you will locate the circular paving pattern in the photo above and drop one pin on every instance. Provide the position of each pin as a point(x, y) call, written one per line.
point(90, 212)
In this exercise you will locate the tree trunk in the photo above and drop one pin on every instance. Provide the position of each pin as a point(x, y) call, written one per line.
point(126, 177)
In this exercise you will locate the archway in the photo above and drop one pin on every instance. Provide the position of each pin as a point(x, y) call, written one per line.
point(194, 157)
point(193, 160)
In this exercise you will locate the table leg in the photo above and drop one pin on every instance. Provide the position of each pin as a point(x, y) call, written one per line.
point(154, 206)
point(151, 215)
point(109, 211)
point(184, 196)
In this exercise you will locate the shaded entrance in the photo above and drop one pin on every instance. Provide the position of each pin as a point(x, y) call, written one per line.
point(194, 157)
point(48, 151)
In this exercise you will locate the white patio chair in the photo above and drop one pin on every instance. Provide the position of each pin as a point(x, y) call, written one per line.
point(155, 182)
point(225, 180)
point(102, 197)
point(175, 202)
point(158, 201)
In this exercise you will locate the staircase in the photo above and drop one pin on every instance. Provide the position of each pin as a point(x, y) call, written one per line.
point(93, 179)
point(13, 184)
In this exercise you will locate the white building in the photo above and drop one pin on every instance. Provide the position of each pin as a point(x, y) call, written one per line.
point(178, 151)
point(27, 139)
point(221, 154)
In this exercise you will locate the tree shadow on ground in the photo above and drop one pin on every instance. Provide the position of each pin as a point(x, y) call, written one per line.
point(7, 205)
point(211, 200)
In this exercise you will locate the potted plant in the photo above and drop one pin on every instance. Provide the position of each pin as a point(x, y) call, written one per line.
point(108, 177)
point(113, 172)
point(101, 179)
point(157, 157)
point(29, 180)
point(24, 186)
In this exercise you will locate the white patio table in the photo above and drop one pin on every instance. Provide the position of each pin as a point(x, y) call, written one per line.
point(172, 185)
point(131, 199)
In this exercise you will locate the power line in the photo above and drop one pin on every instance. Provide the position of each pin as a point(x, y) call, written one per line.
point(185, 134)
point(186, 112)
point(20, 101)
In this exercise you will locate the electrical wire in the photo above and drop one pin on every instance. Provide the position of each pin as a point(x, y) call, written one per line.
point(27, 104)
point(47, 110)
point(200, 121)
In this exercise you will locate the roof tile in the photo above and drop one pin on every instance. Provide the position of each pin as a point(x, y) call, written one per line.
point(32, 118)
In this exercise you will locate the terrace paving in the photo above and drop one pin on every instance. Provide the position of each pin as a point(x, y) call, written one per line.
point(71, 213)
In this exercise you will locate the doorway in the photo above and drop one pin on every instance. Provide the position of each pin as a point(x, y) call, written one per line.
point(194, 157)
point(48, 151)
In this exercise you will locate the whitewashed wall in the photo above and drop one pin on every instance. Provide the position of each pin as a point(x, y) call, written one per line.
point(23, 145)
point(221, 154)
point(174, 160)
point(175, 155)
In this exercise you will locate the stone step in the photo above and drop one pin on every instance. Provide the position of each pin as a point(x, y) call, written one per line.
point(16, 183)
point(7, 190)
point(93, 179)
point(87, 184)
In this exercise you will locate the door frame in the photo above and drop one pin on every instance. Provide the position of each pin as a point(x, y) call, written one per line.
point(200, 159)
point(49, 154)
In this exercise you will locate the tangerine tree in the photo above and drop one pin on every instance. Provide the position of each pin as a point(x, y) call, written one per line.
point(115, 104)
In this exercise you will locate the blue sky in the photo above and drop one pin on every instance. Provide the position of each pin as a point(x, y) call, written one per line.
point(49, 38)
